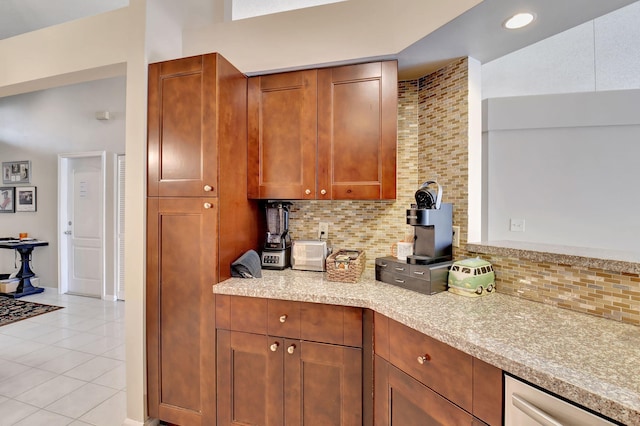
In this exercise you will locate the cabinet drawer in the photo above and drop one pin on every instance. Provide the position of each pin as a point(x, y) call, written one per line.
point(339, 325)
point(444, 369)
point(283, 318)
point(238, 313)
point(316, 322)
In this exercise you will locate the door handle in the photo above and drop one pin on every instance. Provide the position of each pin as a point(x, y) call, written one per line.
point(534, 412)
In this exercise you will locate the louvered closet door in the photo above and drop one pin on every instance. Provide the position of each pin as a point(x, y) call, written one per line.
point(120, 229)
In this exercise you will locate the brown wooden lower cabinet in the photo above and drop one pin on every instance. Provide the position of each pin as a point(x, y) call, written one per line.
point(422, 381)
point(293, 363)
point(264, 380)
point(400, 400)
point(179, 313)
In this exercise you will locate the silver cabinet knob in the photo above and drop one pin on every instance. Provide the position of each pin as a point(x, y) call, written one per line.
point(283, 318)
point(307, 191)
point(424, 358)
point(208, 205)
point(208, 188)
point(323, 192)
point(274, 346)
point(291, 349)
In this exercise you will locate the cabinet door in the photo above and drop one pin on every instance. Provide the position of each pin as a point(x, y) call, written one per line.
point(488, 391)
point(282, 126)
point(250, 379)
point(181, 268)
point(182, 127)
point(323, 384)
point(357, 131)
point(401, 400)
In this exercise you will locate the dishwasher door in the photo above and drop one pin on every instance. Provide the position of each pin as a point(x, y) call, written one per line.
point(525, 405)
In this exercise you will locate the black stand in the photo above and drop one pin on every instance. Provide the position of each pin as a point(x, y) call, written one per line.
point(25, 249)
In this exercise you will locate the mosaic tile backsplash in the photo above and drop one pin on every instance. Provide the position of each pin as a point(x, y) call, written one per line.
point(608, 294)
point(432, 145)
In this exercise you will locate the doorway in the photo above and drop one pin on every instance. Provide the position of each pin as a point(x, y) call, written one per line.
point(86, 224)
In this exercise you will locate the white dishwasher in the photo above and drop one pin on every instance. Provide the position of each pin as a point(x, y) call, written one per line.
point(525, 405)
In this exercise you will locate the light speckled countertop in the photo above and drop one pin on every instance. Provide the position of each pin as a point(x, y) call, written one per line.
point(592, 361)
point(585, 257)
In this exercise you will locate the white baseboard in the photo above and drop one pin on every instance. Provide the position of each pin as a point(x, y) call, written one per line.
point(148, 422)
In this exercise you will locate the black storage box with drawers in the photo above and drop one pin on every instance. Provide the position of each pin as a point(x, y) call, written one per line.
point(426, 279)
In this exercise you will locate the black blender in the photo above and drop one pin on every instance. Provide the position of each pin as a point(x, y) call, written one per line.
point(276, 253)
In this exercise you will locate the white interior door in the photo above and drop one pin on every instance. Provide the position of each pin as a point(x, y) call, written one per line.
point(85, 226)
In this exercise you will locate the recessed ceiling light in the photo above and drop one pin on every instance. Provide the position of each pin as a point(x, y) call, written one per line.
point(519, 20)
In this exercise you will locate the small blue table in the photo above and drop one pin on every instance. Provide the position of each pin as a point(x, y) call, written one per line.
point(25, 248)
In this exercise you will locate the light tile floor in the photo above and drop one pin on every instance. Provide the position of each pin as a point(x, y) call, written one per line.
point(65, 367)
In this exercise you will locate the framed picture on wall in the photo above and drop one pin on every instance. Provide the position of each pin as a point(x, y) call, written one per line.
point(26, 199)
point(16, 172)
point(7, 199)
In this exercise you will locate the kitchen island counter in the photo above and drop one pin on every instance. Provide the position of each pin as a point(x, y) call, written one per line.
point(592, 361)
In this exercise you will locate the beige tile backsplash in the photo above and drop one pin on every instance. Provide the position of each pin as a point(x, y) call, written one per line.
point(432, 145)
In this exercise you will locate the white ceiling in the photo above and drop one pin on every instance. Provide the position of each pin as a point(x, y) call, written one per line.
point(21, 16)
point(476, 33)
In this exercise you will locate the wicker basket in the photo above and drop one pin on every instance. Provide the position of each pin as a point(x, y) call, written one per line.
point(345, 272)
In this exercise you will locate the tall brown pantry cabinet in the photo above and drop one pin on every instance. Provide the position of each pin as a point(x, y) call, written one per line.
point(198, 221)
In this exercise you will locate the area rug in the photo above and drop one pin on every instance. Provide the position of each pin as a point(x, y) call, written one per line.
point(12, 310)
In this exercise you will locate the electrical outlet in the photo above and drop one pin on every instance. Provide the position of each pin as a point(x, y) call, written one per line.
point(456, 236)
point(517, 225)
point(323, 231)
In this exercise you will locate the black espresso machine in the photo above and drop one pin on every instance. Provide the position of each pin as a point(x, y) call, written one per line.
point(276, 253)
point(432, 222)
point(426, 270)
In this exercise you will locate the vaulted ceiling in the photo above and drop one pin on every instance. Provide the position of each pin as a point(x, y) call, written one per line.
point(421, 34)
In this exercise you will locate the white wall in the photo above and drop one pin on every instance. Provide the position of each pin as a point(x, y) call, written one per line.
point(37, 127)
point(561, 130)
point(569, 176)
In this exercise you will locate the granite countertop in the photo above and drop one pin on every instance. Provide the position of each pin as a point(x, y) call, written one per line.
point(606, 259)
point(592, 361)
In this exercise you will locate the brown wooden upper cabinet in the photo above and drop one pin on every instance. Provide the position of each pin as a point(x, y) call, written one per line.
point(182, 127)
point(326, 134)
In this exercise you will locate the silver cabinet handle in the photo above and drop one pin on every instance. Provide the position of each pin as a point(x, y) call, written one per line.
point(208, 188)
point(274, 346)
point(534, 412)
point(424, 358)
point(307, 191)
point(291, 349)
point(323, 192)
point(399, 281)
point(399, 269)
point(283, 318)
point(418, 272)
point(384, 265)
point(208, 205)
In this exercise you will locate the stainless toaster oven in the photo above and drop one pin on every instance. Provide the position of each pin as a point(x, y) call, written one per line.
point(309, 255)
